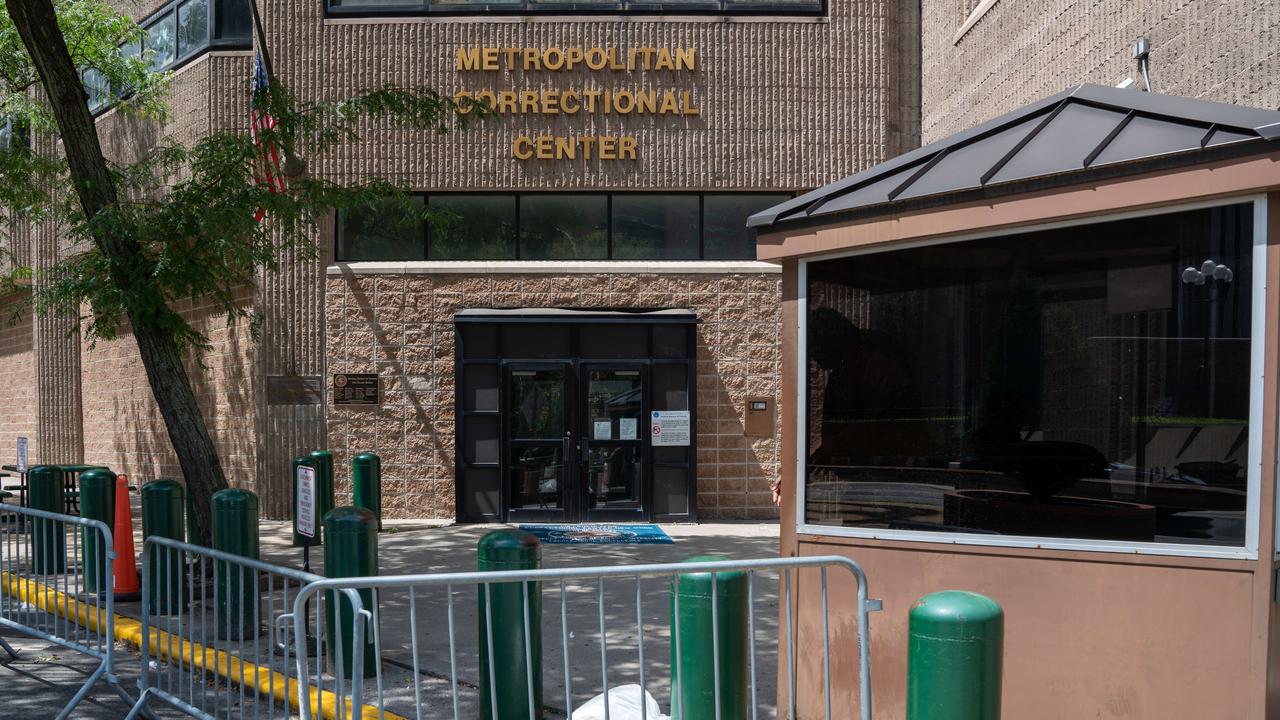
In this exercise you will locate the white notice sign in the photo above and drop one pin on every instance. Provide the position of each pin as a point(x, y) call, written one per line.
point(22, 454)
point(627, 428)
point(670, 428)
point(306, 510)
point(603, 430)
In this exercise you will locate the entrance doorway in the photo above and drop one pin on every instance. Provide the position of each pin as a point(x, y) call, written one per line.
point(574, 452)
point(554, 418)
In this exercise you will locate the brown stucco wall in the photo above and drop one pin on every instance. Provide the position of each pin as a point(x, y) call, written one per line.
point(1085, 636)
point(1019, 52)
point(402, 324)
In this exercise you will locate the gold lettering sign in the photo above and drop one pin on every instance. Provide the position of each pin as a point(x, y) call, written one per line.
point(579, 101)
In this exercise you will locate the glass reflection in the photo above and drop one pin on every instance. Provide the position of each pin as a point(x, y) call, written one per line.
point(472, 227)
point(1068, 383)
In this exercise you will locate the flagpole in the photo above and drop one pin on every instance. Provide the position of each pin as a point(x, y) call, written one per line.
point(262, 39)
point(293, 164)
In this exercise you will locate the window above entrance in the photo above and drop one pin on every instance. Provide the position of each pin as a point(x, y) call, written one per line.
point(366, 8)
point(557, 226)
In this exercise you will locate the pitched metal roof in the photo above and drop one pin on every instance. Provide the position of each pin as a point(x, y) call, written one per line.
point(1084, 132)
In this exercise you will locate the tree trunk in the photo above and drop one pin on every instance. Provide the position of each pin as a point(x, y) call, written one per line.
point(37, 24)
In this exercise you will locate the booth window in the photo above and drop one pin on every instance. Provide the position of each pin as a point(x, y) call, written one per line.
point(1090, 382)
point(557, 226)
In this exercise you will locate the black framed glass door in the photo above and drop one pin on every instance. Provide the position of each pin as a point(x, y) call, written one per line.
point(612, 435)
point(539, 441)
point(554, 416)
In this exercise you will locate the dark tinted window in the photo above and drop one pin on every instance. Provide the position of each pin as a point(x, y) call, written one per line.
point(614, 341)
point(652, 227)
point(724, 233)
point(97, 89)
point(564, 227)
point(1086, 382)
point(193, 26)
point(381, 232)
point(479, 341)
point(480, 390)
point(637, 7)
point(585, 226)
point(472, 227)
point(233, 20)
point(161, 41)
point(670, 341)
point(535, 341)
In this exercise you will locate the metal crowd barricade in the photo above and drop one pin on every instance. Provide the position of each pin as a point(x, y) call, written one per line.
point(643, 604)
point(216, 633)
point(45, 593)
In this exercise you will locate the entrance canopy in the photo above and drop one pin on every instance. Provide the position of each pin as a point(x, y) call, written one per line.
point(571, 315)
point(1087, 133)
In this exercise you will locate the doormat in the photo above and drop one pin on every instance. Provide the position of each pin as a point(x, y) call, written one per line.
point(596, 534)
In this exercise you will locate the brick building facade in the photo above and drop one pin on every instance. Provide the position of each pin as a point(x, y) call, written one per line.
point(787, 97)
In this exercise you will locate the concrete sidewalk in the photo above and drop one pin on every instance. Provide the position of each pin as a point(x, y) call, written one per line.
point(417, 548)
point(422, 547)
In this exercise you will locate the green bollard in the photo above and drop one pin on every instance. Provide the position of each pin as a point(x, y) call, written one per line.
point(97, 502)
point(324, 481)
point(366, 483)
point(954, 655)
point(509, 695)
point(235, 531)
point(49, 542)
point(299, 539)
point(162, 514)
point(350, 550)
point(693, 659)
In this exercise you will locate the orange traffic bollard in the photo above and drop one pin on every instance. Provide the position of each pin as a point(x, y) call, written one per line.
point(126, 564)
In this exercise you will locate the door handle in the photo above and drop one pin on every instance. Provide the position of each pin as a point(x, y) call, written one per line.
point(564, 450)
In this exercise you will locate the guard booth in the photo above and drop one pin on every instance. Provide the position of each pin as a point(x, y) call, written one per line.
point(1038, 360)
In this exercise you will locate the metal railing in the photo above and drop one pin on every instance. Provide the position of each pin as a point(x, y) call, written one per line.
point(216, 636)
point(437, 604)
point(56, 584)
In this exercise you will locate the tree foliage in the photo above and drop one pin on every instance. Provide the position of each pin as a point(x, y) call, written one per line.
point(149, 227)
point(192, 208)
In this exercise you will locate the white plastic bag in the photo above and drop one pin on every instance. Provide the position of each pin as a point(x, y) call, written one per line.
point(624, 704)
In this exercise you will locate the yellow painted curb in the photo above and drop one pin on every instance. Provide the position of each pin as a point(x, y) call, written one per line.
point(192, 655)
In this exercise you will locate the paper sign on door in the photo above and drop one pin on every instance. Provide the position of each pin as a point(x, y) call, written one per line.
point(603, 430)
point(670, 428)
point(627, 428)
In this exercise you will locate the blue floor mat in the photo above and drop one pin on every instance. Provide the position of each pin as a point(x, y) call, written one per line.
point(599, 534)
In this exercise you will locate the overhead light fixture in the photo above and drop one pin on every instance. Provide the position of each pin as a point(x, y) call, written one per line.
point(1209, 270)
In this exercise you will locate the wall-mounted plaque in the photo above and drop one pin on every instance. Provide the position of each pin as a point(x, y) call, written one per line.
point(295, 389)
point(355, 389)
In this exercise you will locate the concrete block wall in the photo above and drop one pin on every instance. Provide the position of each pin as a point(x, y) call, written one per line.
point(122, 426)
point(401, 325)
point(18, 370)
point(1223, 50)
point(786, 103)
point(122, 423)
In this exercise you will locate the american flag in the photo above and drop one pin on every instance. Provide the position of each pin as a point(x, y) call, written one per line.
point(267, 170)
